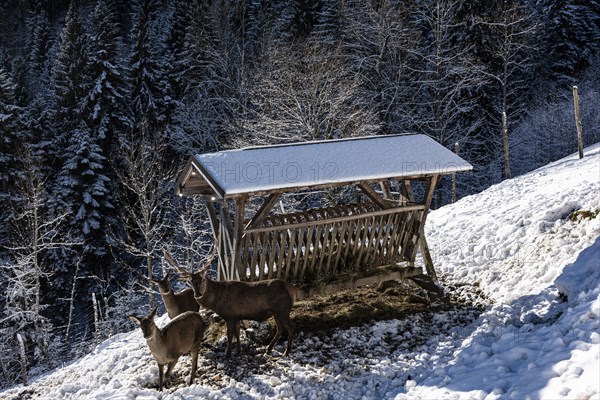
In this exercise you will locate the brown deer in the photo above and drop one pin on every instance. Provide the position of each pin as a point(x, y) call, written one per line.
point(175, 303)
point(180, 336)
point(235, 301)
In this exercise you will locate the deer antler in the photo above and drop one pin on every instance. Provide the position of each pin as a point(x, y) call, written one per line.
point(207, 263)
point(171, 261)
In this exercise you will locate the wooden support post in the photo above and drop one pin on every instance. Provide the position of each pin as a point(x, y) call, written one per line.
point(263, 211)
point(578, 122)
point(216, 230)
point(238, 230)
point(374, 196)
point(385, 189)
point(422, 242)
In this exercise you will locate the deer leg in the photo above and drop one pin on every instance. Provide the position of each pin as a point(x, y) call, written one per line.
point(276, 337)
point(168, 373)
point(237, 336)
point(230, 331)
point(160, 377)
point(289, 327)
point(194, 364)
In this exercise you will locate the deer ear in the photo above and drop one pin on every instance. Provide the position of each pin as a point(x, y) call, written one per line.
point(153, 313)
point(135, 319)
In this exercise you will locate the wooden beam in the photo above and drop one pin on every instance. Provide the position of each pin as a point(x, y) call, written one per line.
point(268, 192)
point(263, 211)
point(422, 241)
point(308, 223)
point(406, 191)
point(374, 196)
point(385, 189)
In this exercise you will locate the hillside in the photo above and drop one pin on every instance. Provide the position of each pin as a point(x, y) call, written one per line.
point(527, 243)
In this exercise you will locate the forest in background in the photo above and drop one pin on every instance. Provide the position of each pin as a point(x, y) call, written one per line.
point(102, 102)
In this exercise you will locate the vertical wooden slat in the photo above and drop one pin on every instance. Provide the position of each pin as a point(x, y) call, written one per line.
point(391, 249)
point(349, 242)
point(263, 255)
point(364, 233)
point(402, 234)
point(274, 238)
point(299, 253)
point(327, 247)
point(291, 255)
point(307, 251)
point(283, 237)
point(255, 251)
point(316, 241)
point(339, 246)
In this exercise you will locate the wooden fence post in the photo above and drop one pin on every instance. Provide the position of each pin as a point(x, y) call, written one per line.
point(505, 140)
point(578, 121)
point(96, 326)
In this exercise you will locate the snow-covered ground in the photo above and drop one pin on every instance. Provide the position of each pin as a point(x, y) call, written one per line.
point(539, 339)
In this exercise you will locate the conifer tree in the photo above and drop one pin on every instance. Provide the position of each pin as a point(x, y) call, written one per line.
point(104, 106)
point(70, 84)
point(571, 39)
point(148, 99)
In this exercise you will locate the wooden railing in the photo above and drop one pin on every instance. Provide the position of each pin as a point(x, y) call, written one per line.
point(321, 244)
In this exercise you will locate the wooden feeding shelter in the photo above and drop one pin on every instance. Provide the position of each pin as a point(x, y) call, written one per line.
point(322, 249)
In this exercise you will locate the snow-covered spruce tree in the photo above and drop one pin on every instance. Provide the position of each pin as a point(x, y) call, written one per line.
point(198, 114)
point(149, 95)
point(83, 192)
point(570, 40)
point(104, 105)
point(38, 49)
point(11, 134)
point(69, 84)
point(179, 21)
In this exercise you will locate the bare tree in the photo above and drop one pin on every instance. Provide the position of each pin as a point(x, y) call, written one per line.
point(511, 32)
point(146, 175)
point(307, 94)
point(380, 40)
point(447, 74)
point(33, 232)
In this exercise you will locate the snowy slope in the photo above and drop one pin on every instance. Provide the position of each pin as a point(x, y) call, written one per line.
point(515, 240)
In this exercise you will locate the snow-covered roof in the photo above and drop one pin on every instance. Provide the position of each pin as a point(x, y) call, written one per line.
point(316, 164)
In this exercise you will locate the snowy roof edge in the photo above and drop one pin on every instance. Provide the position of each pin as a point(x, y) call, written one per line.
point(226, 172)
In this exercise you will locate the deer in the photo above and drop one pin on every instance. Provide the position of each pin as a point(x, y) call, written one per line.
point(234, 301)
point(175, 303)
point(180, 336)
